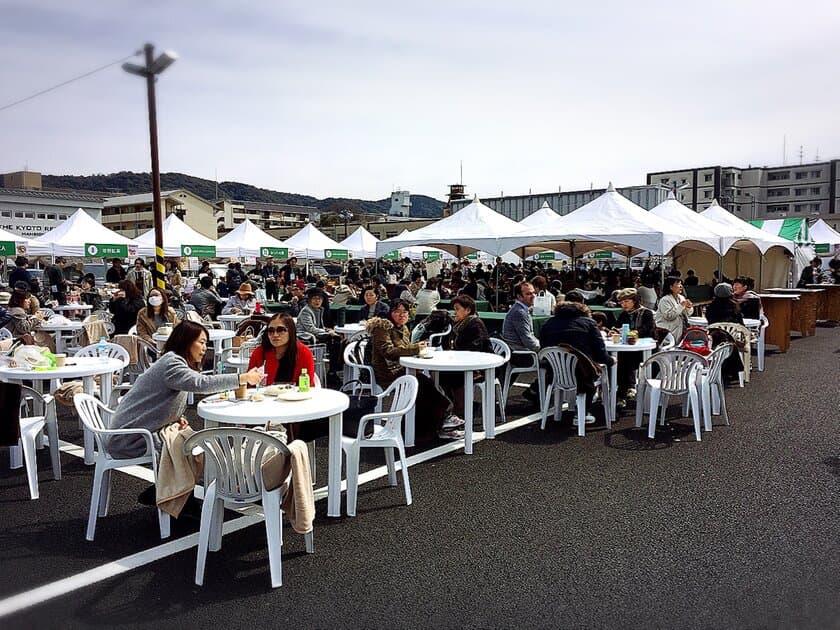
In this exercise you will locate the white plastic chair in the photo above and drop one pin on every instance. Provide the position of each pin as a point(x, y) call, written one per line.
point(503, 350)
point(387, 435)
point(758, 339)
point(710, 381)
point(351, 351)
point(37, 414)
point(90, 411)
point(133, 330)
point(533, 366)
point(742, 337)
point(5, 333)
point(436, 339)
point(114, 351)
point(677, 377)
point(234, 459)
point(668, 342)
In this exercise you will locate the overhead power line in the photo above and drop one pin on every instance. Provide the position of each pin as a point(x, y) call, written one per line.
point(63, 83)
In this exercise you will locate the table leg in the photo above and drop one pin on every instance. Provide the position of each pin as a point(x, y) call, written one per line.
point(88, 385)
point(334, 475)
point(489, 410)
point(613, 383)
point(468, 412)
point(409, 417)
point(59, 342)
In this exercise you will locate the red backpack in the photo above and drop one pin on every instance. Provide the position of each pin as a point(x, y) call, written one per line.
point(696, 339)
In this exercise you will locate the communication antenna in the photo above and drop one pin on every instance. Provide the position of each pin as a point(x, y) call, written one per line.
point(817, 155)
point(801, 153)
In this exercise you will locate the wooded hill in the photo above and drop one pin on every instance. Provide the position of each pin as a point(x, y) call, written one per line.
point(129, 183)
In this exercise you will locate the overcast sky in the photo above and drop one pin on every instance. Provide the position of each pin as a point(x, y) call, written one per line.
point(355, 98)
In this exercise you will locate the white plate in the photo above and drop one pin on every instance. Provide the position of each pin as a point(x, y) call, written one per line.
point(293, 395)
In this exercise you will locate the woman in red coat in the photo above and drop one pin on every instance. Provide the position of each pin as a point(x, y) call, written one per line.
point(281, 354)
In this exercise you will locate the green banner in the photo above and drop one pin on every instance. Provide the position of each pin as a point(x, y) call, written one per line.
point(473, 256)
point(822, 248)
point(336, 254)
point(602, 255)
point(394, 255)
point(105, 250)
point(274, 252)
point(198, 251)
point(7, 248)
point(545, 256)
point(431, 256)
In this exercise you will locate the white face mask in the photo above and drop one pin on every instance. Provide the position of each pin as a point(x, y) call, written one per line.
point(155, 300)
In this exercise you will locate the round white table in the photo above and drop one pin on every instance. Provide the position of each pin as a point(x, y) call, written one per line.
point(85, 368)
point(59, 329)
point(217, 336)
point(232, 321)
point(324, 402)
point(466, 362)
point(644, 345)
point(72, 308)
point(752, 324)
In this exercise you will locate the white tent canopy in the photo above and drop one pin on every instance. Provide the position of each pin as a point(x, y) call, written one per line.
point(14, 238)
point(823, 234)
point(763, 240)
point(311, 243)
point(70, 237)
point(246, 239)
point(361, 244)
point(475, 227)
point(695, 226)
point(612, 220)
point(418, 252)
point(176, 234)
point(542, 216)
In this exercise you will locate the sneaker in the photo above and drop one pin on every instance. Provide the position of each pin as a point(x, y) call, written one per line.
point(590, 419)
point(452, 422)
point(620, 404)
point(631, 393)
point(451, 434)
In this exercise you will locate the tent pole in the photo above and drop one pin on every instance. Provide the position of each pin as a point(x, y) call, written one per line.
point(496, 292)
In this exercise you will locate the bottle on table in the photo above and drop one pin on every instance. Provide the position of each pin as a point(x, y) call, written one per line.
point(303, 380)
point(102, 349)
point(625, 330)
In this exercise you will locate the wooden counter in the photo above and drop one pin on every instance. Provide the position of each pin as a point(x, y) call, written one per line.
point(831, 306)
point(804, 313)
point(778, 308)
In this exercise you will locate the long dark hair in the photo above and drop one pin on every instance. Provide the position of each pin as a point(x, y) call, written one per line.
point(164, 306)
point(130, 289)
point(182, 338)
point(286, 365)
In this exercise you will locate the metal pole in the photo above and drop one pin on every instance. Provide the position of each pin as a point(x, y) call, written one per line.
point(158, 270)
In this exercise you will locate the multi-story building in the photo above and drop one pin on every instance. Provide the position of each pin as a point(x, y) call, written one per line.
point(400, 204)
point(520, 206)
point(266, 216)
point(28, 210)
point(133, 215)
point(766, 192)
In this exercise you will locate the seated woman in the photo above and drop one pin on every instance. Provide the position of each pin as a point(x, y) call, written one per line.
point(641, 320)
point(747, 299)
point(468, 333)
point(23, 325)
point(389, 342)
point(124, 306)
point(312, 320)
point(159, 395)
point(89, 293)
point(723, 307)
point(674, 308)
point(156, 314)
point(372, 307)
point(243, 301)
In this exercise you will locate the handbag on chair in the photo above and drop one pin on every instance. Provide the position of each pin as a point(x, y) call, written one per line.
point(360, 404)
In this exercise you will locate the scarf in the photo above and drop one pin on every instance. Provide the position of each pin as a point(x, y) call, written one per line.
point(458, 327)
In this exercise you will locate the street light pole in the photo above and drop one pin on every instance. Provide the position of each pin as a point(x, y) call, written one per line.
point(152, 68)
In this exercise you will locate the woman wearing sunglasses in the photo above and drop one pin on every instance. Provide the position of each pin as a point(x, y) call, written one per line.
point(281, 354)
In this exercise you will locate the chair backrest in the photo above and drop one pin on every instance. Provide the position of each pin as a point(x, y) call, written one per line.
point(739, 333)
point(403, 395)
point(436, 339)
point(668, 342)
point(501, 348)
point(319, 356)
point(90, 410)
point(676, 368)
point(563, 365)
point(235, 457)
point(5, 333)
point(307, 338)
point(133, 330)
point(115, 351)
point(716, 359)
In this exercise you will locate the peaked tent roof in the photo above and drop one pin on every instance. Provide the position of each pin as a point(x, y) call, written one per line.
point(795, 229)
point(692, 223)
point(361, 243)
point(246, 239)
point(175, 234)
point(611, 220)
point(542, 216)
point(475, 227)
point(5, 235)
point(762, 240)
point(415, 252)
point(69, 238)
point(310, 242)
point(822, 233)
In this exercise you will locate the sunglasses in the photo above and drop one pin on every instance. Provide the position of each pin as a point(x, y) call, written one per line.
point(279, 330)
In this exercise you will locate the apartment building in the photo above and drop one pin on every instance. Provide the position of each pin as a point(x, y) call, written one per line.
point(133, 215)
point(266, 216)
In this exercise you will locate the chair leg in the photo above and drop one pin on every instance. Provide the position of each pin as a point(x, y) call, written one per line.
point(706, 392)
point(392, 469)
point(310, 446)
point(641, 390)
point(30, 459)
point(500, 401)
point(217, 521)
point(722, 400)
point(654, 411)
point(204, 531)
point(352, 477)
point(52, 433)
point(741, 379)
point(274, 533)
point(94, 501)
point(163, 523)
point(506, 385)
point(581, 414)
point(695, 410)
point(404, 469)
point(543, 398)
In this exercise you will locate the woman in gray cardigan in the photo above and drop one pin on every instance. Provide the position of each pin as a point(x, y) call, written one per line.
point(159, 396)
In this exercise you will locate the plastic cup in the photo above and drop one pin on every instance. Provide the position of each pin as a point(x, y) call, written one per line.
point(60, 360)
point(241, 392)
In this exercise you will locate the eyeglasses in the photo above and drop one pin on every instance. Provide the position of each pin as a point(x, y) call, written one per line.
point(279, 330)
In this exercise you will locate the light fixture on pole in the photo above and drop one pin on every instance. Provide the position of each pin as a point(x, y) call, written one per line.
point(345, 214)
point(153, 68)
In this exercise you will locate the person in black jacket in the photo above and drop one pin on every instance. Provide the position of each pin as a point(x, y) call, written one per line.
point(125, 305)
point(21, 274)
point(723, 308)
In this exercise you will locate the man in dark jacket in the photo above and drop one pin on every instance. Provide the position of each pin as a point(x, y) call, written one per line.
point(21, 274)
point(572, 326)
point(55, 282)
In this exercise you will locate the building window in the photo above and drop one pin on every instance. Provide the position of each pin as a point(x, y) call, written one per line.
point(815, 190)
point(738, 208)
point(707, 194)
point(6, 214)
point(798, 207)
point(800, 191)
point(802, 175)
point(664, 180)
point(774, 177)
point(707, 177)
point(778, 192)
point(778, 208)
point(51, 217)
point(816, 173)
point(18, 215)
point(42, 216)
point(815, 207)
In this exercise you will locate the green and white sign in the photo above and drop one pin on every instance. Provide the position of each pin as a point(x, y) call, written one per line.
point(545, 256)
point(473, 256)
point(394, 255)
point(274, 252)
point(336, 254)
point(430, 256)
point(7, 248)
point(105, 250)
point(198, 251)
point(822, 248)
point(602, 255)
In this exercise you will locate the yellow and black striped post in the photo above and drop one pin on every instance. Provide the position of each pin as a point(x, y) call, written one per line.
point(160, 271)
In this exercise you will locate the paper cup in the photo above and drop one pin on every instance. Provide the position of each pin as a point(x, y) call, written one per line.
point(241, 392)
point(60, 360)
